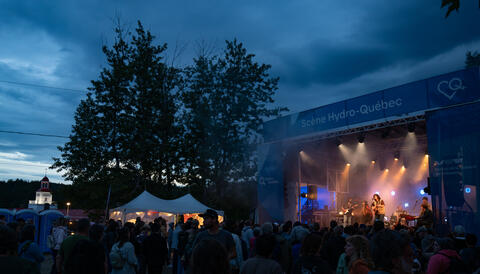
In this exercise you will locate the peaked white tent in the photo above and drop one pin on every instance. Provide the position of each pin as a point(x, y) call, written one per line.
point(187, 204)
point(145, 203)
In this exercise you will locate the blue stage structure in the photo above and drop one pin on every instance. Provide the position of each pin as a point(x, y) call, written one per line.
point(448, 104)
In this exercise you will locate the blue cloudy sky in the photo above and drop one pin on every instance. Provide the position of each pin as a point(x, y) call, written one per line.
point(323, 51)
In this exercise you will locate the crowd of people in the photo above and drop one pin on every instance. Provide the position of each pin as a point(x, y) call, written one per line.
point(237, 247)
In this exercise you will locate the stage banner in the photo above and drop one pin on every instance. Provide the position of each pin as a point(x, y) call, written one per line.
point(270, 191)
point(454, 88)
point(401, 101)
point(454, 148)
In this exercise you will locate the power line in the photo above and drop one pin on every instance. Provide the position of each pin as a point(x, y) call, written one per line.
point(41, 86)
point(22, 164)
point(34, 134)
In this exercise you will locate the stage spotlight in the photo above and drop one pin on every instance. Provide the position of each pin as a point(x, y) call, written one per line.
point(376, 192)
point(403, 168)
point(468, 190)
point(406, 205)
point(422, 192)
point(361, 138)
point(348, 164)
point(411, 127)
point(386, 170)
point(392, 193)
point(396, 156)
point(338, 142)
point(373, 162)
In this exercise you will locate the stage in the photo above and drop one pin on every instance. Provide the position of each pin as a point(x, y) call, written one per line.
point(391, 142)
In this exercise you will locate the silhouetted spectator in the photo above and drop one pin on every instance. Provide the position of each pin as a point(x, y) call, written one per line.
point(309, 260)
point(459, 237)
point(110, 234)
point(470, 255)
point(333, 247)
point(59, 234)
point(27, 248)
point(122, 256)
point(356, 257)
point(391, 253)
point(209, 257)
point(69, 243)
point(86, 257)
point(9, 263)
point(213, 231)
point(155, 250)
point(444, 258)
point(262, 263)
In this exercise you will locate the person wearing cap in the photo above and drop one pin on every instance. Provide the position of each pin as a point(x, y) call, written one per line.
point(213, 231)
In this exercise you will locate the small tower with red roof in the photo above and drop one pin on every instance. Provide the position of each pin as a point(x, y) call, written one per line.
point(42, 196)
point(45, 185)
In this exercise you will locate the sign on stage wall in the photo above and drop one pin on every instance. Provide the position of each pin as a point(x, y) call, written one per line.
point(270, 183)
point(454, 146)
point(445, 90)
point(454, 88)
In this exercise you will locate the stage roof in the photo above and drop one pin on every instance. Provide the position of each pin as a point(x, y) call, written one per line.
point(395, 103)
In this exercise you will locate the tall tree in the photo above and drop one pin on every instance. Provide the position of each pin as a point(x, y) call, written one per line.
point(126, 131)
point(156, 135)
point(472, 59)
point(226, 99)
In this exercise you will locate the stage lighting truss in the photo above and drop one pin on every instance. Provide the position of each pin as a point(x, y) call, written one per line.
point(361, 137)
point(385, 133)
point(396, 156)
point(338, 141)
point(364, 129)
point(411, 127)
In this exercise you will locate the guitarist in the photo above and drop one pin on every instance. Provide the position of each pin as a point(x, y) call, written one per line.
point(378, 207)
point(347, 213)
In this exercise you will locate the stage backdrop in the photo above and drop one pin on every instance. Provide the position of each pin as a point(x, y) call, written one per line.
point(454, 148)
point(270, 183)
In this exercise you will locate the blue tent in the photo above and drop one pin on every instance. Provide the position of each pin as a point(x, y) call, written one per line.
point(8, 214)
point(30, 216)
point(47, 218)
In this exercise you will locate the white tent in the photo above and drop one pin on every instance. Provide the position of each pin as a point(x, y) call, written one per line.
point(187, 204)
point(147, 203)
point(144, 202)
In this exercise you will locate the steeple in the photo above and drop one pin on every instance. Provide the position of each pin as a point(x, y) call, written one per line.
point(45, 185)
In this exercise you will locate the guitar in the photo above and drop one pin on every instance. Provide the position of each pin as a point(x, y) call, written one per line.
point(349, 209)
point(378, 208)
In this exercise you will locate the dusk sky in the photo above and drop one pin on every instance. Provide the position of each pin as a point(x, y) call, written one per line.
point(323, 52)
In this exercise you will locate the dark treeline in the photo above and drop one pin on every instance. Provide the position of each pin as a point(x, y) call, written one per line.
point(17, 193)
point(148, 124)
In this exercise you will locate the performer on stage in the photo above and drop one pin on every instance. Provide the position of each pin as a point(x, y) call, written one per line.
point(347, 213)
point(366, 214)
point(426, 215)
point(378, 207)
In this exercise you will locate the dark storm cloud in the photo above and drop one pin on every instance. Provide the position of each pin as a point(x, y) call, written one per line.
point(323, 51)
point(391, 32)
point(330, 65)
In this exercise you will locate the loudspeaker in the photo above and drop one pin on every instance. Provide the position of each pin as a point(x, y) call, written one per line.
point(312, 192)
point(453, 187)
